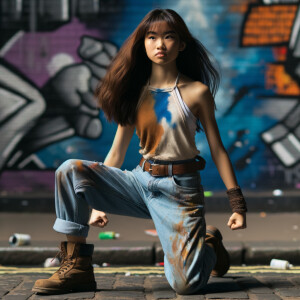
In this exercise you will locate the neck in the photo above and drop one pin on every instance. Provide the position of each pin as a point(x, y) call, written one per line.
point(163, 76)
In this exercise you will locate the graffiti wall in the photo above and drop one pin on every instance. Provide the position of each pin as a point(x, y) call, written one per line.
point(54, 52)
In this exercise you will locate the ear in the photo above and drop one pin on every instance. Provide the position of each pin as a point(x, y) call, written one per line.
point(182, 46)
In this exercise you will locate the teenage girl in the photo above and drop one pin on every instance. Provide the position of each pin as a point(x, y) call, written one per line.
point(161, 83)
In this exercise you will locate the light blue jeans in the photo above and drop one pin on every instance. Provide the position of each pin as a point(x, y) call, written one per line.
point(175, 204)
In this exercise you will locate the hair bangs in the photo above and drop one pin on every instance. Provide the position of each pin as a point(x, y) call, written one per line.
point(152, 22)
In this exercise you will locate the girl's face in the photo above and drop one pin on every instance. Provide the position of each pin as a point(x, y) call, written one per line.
point(162, 43)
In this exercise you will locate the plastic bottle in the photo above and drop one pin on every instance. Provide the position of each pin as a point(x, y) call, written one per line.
point(280, 264)
point(108, 235)
point(19, 239)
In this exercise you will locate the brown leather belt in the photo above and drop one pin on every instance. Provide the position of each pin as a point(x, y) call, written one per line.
point(173, 169)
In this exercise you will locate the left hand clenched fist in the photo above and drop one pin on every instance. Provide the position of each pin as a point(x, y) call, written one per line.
point(237, 221)
point(98, 218)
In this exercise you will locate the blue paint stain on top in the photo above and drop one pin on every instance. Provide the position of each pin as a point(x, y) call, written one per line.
point(161, 106)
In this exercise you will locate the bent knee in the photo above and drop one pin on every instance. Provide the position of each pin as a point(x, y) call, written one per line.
point(70, 165)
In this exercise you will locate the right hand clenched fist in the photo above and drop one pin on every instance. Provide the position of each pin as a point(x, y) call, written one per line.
point(98, 218)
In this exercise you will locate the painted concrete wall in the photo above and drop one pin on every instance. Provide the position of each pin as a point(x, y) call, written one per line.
point(53, 53)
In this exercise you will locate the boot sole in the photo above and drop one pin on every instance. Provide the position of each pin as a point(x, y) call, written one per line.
point(53, 291)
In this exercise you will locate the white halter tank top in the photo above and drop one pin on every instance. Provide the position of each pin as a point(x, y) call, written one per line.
point(165, 125)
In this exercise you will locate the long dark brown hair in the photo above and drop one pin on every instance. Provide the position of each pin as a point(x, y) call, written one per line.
point(120, 89)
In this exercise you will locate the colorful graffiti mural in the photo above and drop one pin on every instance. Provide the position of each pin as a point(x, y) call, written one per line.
point(53, 53)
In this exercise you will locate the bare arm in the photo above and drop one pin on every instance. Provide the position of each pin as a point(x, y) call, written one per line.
point(220, 157)
point(114, 158)
point(117, 152)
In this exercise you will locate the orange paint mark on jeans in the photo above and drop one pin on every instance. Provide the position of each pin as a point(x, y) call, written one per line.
point(180, 242)
point(178, 227)
point(94, 165)
point(79, 165)
point(174, 244)
point(184, 252)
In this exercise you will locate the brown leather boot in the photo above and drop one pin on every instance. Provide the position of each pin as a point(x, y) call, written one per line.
point(214, 239)
point(75, 274)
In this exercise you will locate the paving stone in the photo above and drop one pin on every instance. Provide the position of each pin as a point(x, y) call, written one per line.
point(119, 295)
point(190, 297)
point(6, 285)
point(158, 283)
point(11, 282)
point(260, 290)
point(223, 288)
point(15, 297)
point(161, 288)
point(148, 287)
point(34, 278)
point(73, 296)
point(284, 287)
point(21, 291)
point(217, 285)
point(275, 282)
point(105, 282)
point(129, 283)
point(21, 294)
point(27, 285)
point(295, 280)
point(264, 297)
point(3, 292)
point(228, 295)
point(164, 294)
point(291, 292)
point(253, 286)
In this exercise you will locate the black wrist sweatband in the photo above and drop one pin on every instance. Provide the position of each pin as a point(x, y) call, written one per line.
point(236, 200)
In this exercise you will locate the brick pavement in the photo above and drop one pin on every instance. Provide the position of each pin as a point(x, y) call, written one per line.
point(257, 286)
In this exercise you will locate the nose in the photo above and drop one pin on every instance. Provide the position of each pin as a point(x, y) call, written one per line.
point(160, 44)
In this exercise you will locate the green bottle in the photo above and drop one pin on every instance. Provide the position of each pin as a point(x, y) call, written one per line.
point(108, 235)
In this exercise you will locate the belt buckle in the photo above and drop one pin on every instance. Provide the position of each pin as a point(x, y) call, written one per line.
point(150, 169)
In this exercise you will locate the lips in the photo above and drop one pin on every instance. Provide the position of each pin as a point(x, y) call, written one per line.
point(160, 54)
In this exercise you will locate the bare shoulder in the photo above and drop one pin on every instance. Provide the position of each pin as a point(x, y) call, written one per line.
point(194, 93)
point(194, 89)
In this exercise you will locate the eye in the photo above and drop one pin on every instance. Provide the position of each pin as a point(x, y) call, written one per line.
point(151, 37)
point(170, 37)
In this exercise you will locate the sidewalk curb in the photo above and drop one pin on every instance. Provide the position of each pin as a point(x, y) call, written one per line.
point(149, 253)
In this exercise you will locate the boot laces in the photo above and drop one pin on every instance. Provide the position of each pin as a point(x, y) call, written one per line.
point(65, 261)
